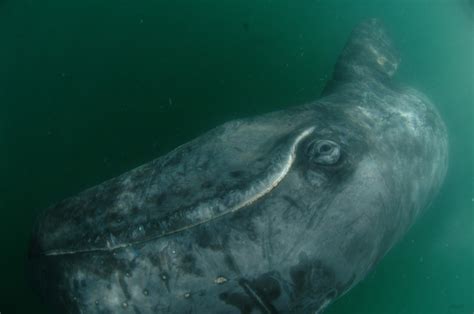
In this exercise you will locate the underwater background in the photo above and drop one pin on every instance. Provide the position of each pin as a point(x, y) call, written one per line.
point(90, 89)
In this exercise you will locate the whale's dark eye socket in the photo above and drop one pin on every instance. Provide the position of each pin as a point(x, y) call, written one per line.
point(324, 152)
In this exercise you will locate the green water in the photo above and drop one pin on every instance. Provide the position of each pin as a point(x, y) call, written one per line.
point(92, 88)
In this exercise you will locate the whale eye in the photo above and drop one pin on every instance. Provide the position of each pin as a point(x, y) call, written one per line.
point(324, 152)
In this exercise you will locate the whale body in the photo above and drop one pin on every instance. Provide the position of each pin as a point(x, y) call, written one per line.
point(279, 213)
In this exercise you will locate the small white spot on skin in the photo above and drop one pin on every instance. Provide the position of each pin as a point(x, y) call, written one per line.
point(187, 295)
point(164, 277)
point(381, 60)
point(124, 305)
point(220, 280)
point(79, 277)
point(146, 292)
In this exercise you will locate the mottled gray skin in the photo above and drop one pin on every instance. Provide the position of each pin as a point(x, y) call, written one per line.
point(281, 213)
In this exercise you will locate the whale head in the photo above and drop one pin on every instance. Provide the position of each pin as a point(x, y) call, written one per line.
point(283, 212)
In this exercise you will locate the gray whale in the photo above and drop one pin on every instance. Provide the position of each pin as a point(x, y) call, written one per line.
point(280, 213)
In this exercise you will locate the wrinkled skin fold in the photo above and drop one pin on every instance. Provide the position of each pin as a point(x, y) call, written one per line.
point(280, 213)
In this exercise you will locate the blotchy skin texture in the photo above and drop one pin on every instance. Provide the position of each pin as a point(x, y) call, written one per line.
point(281, 213)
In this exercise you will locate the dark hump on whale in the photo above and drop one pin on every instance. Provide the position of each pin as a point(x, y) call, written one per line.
point(368, 54)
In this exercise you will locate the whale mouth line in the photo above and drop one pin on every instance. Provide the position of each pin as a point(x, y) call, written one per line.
point(215, 208)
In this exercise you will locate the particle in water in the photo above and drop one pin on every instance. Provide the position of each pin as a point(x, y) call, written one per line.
point(220, 280)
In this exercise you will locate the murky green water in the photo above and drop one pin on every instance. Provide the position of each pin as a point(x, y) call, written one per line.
point(90, 89)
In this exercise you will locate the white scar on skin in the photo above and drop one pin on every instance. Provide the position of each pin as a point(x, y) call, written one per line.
point(213, 209)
